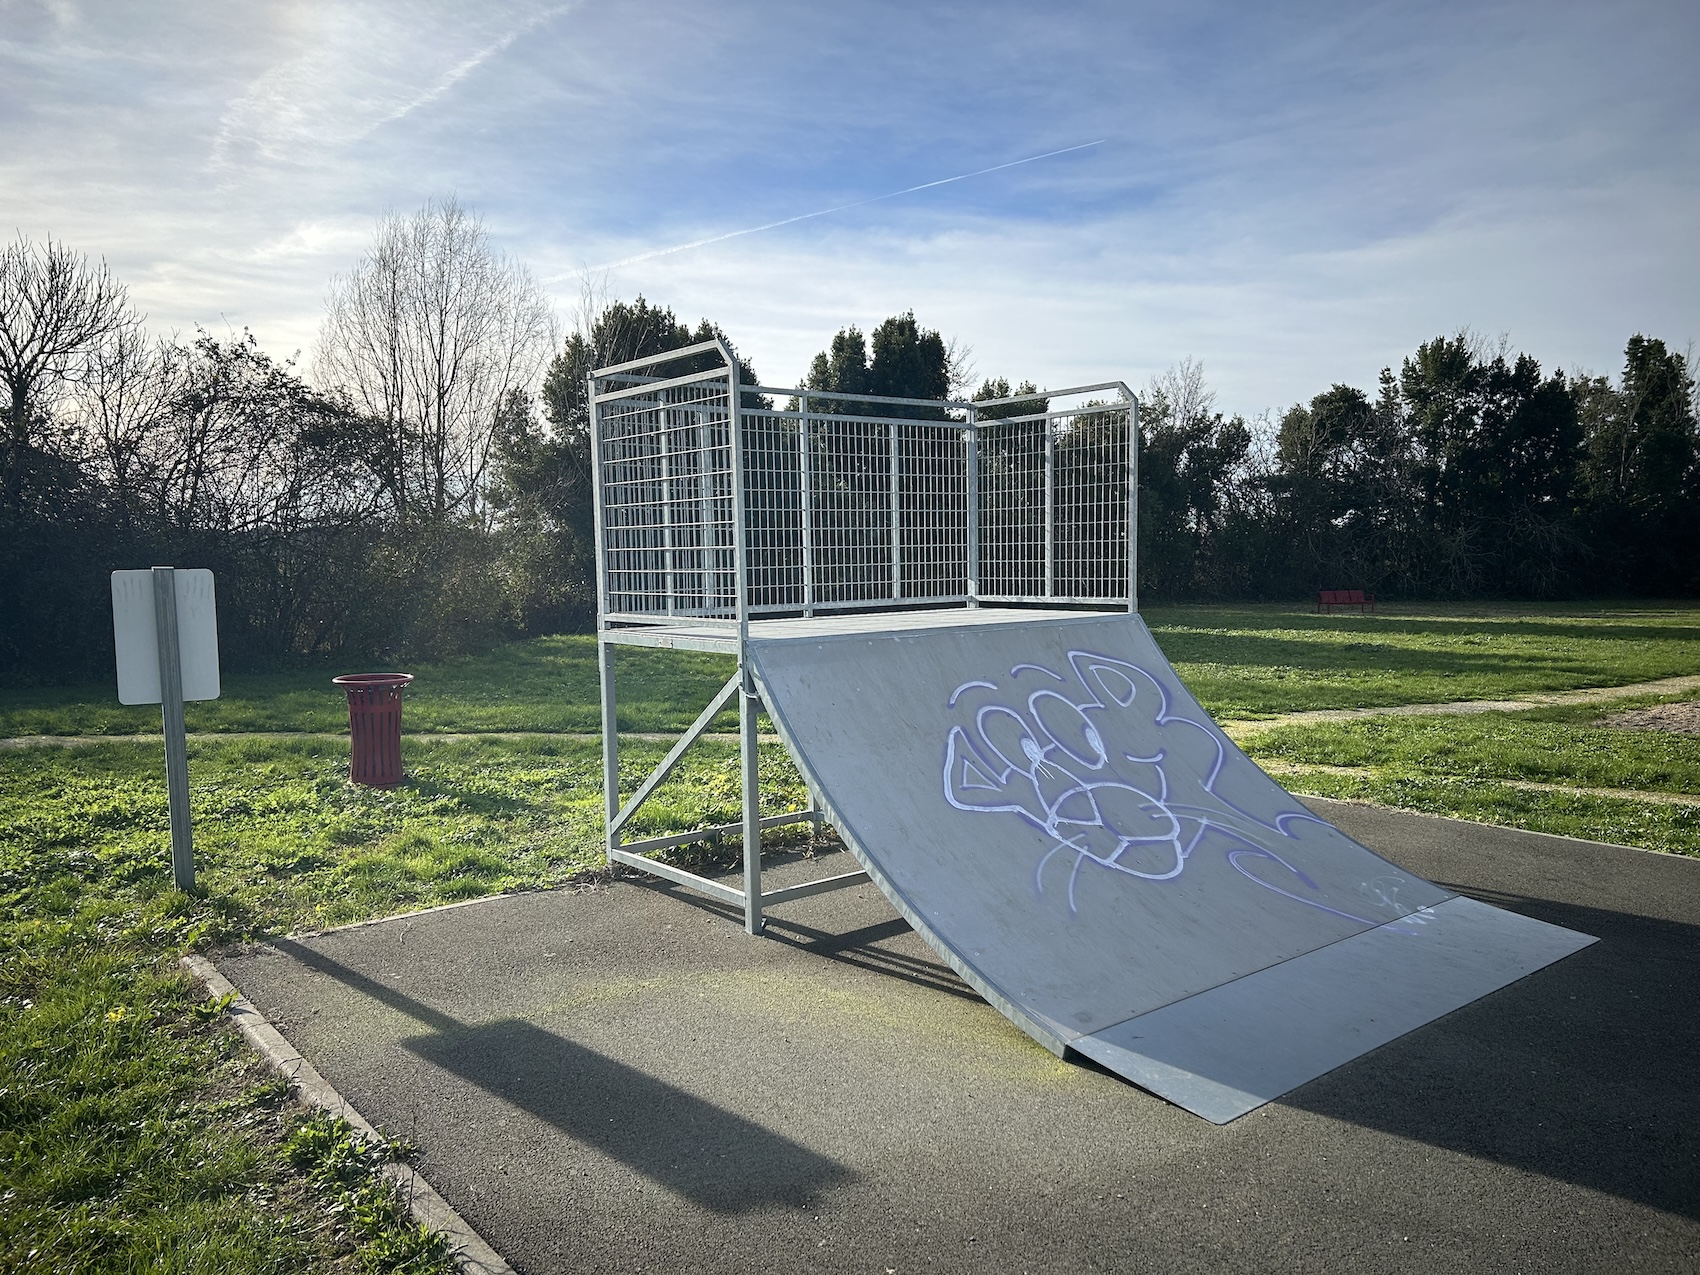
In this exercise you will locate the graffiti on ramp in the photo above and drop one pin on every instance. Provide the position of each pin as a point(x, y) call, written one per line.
point(1126, 790)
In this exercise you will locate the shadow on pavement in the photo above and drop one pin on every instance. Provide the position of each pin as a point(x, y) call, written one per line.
point(860, 947)
point(712, 1156)
point(1582, 1072)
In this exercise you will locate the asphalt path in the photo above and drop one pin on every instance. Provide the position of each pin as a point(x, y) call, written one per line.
point(619, 1079)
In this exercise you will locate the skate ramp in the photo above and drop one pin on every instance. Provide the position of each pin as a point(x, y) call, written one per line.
point(1055, 814)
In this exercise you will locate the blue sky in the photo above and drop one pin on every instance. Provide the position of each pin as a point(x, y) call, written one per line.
point(1294, 195)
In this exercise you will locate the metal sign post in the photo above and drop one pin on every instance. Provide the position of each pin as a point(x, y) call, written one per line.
point(165, 629)
point(176, 738)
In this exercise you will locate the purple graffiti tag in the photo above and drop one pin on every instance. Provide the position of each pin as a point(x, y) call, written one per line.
point(1103, 766)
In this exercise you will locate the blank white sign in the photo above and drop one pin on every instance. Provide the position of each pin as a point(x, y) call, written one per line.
point(134, 630)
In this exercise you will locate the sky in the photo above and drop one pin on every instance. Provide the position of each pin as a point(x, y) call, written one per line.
point(1294, 195)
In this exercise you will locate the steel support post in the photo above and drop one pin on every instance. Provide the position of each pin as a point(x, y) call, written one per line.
point(604, 648)
point(1050, 509)
point(610, 743)
point(805, 491)
point(971, 444)
point(1132, 504)
point(749, 707)
point(176, 740)
point(748, 704)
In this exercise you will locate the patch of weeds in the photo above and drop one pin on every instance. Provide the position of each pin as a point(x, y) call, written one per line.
point(349, 1169)
point(131, 1134)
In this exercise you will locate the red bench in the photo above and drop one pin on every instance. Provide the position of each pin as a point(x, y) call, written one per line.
point(1328, 599)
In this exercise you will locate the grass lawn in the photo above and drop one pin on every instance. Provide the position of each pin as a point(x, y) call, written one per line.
point(1469, 766)
point(546, 684)
point(1542, 745)
point(1646, 826)
point(1241, 661)
point(1249, 662)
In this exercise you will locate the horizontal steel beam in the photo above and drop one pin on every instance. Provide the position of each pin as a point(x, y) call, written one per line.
point(1059, 414)
point(666, 356)
point(1073, 389)
point(717, 830)
point(652, 387)
point(882, 604)
point(840, 418)
point(711, 640)
point(799, 394)
point(663, 617)
point(678, 876)
point(803, 891)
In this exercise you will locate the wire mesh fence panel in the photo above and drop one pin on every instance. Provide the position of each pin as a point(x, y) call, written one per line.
point(1012, 508)
point(854, 501)
point(668, 545)
point(932, 490)
point(850, 490)
point(1089, 506)
point(773, 511)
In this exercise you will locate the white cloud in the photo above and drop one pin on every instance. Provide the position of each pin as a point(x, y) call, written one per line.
point(353, 68)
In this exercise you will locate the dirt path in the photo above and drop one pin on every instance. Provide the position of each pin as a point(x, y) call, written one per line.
point(581, 737)
point(1588, 695)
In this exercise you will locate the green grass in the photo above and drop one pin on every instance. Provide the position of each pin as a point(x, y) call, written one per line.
point(1643, 825)
point(134, 1130)
point(1249, 662)
point(1554, 746)
point(284, 843)
point(1241, 661)
point(1466, 766)
point(545, 684)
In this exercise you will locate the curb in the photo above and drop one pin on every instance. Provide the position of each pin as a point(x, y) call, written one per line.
point(471, 1252)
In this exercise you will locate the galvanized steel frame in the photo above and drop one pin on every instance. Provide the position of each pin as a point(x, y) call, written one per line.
point(683, 449)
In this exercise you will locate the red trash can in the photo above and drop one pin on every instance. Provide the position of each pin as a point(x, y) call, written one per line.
point(374, 726)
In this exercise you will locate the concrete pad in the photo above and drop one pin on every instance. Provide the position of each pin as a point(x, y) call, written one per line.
point(620, 1079)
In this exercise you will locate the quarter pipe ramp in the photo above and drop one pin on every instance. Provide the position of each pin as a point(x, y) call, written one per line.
point(1043, 800)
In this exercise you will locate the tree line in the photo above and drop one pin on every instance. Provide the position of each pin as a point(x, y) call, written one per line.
point(425, 490)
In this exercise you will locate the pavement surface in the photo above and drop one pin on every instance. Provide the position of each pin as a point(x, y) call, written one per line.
point(619, 1079)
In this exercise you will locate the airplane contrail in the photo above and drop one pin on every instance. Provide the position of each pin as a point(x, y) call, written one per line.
point(774, 225)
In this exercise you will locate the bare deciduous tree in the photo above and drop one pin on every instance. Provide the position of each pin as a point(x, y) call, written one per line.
point(122, 405)
point(428, 336)
point(1178, 397)
point(54, 307)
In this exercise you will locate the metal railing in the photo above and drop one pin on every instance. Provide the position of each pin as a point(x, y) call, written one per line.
point(718, 502)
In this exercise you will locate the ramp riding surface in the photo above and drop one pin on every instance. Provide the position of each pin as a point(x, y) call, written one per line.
point(1047, 805)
